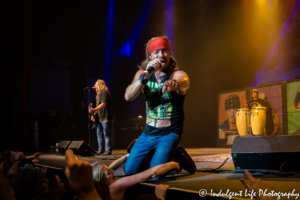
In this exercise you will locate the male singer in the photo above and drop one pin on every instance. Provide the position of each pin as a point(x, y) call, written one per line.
point(164, 87)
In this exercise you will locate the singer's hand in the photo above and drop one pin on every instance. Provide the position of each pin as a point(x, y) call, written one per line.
point(156, 63)
point(170, 86)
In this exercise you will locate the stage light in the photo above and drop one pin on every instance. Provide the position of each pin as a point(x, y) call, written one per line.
point(137, 30)
point(272, 30)
point(127, 47)
point(124, 51)
point(169, 23)
point(109, 42)
point(135, 36)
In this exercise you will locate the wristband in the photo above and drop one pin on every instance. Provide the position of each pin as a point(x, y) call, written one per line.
point(142, 79)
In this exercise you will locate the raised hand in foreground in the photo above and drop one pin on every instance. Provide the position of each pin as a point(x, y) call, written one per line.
point(80, 177)
point(255, 184)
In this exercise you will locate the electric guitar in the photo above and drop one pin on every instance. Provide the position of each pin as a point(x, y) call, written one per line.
point(94, 117)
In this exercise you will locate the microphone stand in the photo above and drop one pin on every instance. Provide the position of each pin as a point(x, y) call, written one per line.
point(89, 114)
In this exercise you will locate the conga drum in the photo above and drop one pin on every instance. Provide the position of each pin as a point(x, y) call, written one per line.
point(242, 121)
point(258, 121)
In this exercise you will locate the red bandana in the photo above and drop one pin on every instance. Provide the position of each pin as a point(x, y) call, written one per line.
point(159, 43)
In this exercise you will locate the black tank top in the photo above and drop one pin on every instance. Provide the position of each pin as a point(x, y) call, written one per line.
point(164, 111)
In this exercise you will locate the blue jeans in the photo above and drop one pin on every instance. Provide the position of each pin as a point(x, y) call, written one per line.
point(139, 154)
point(105, 136)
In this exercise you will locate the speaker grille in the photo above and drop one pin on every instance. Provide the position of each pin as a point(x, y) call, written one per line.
point(266, 152)
point(62, 146)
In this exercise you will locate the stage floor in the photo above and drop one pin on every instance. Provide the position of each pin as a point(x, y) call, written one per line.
point(211, 182)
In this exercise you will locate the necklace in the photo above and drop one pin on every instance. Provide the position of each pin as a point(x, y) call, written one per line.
point(160, 76)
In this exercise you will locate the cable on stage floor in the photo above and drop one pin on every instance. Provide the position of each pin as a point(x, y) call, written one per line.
point(213, 169)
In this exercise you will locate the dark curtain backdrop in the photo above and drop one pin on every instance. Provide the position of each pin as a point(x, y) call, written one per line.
point(76, 31)
point(17, 120)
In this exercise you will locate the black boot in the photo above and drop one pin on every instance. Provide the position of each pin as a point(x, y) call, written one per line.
point(184, 160)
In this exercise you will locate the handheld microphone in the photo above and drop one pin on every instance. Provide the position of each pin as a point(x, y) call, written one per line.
point(150, 69)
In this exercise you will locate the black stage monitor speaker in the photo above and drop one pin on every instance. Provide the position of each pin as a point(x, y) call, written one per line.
point(82, 148)
point(266, 152)
point(63, 146)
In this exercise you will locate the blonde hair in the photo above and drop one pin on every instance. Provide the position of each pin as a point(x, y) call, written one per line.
point(98, 177)
point(172, 65)
point(98, 173)
point(100, 84)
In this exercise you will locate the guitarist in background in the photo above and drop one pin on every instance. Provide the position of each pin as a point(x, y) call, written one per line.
point(106, 115)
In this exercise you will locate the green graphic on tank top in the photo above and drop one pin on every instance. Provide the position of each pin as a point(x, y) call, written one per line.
point(158, 105)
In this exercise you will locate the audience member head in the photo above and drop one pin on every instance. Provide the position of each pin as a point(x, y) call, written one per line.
point(29, 183)
point(101, 173)
point(18, 156)
point(13, 162)
point(103, 177)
